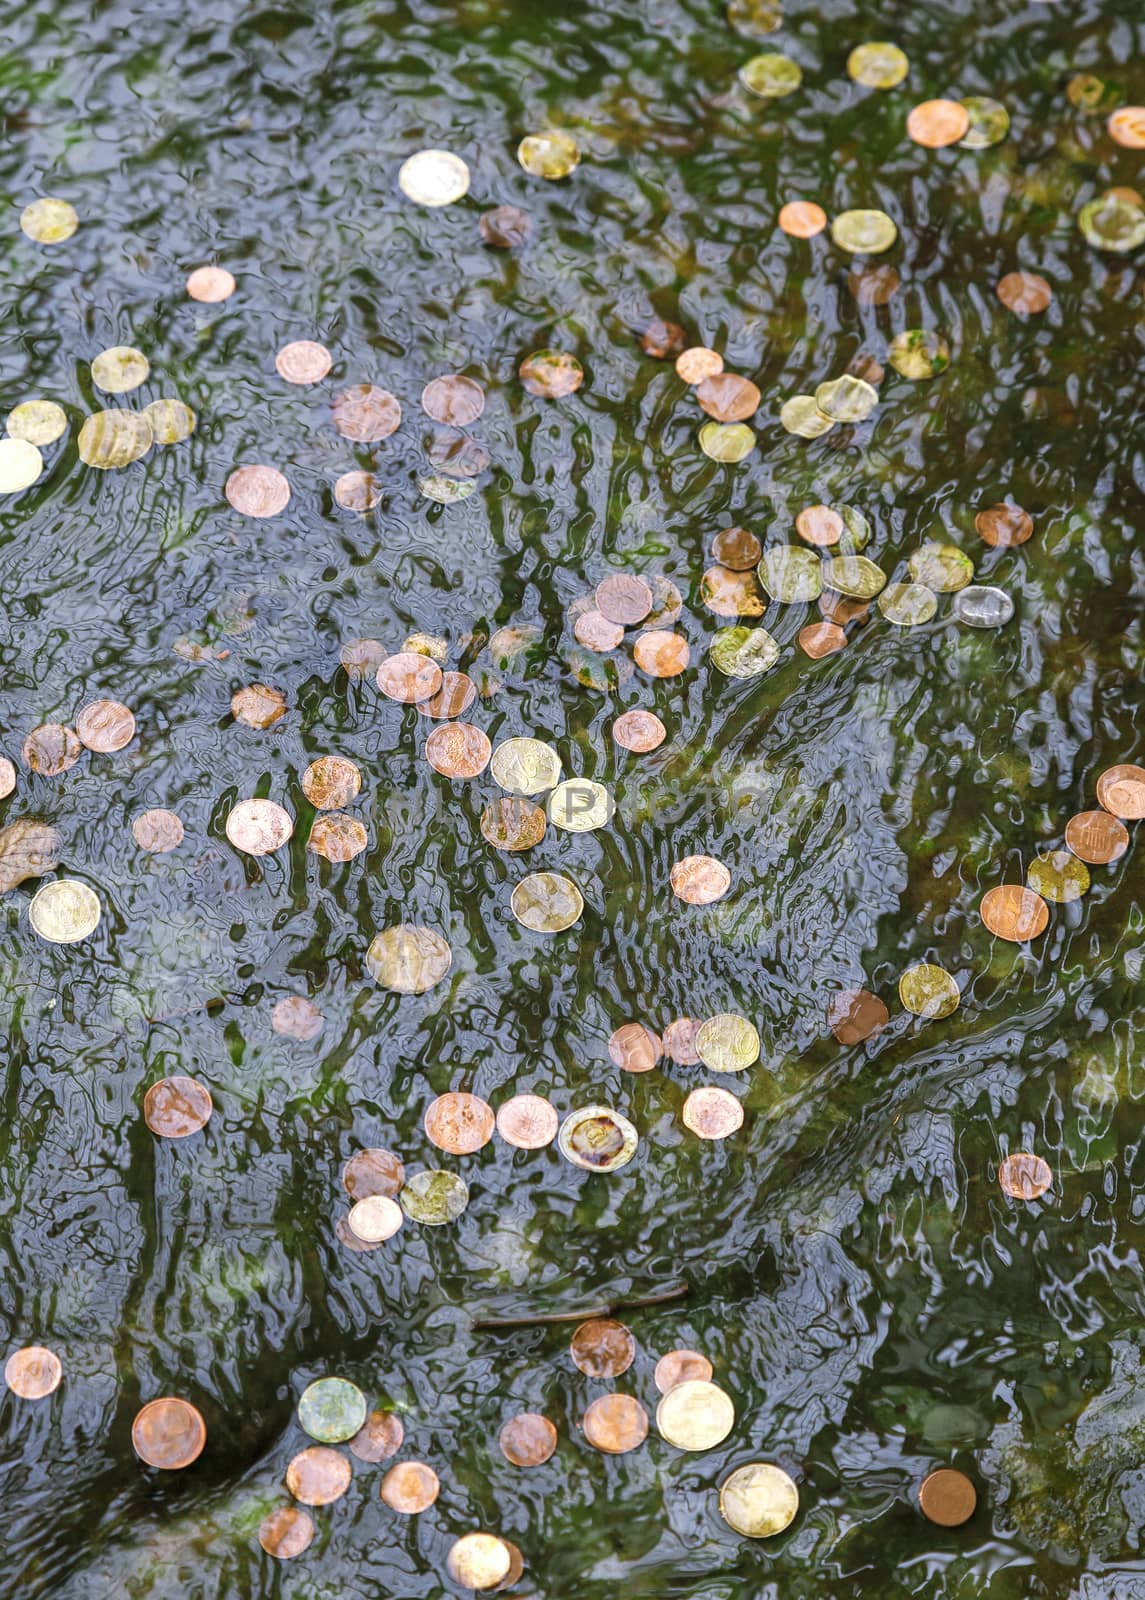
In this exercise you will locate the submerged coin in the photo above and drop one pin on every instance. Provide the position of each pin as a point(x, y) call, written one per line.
point(258, 827)
point(318, 1476)
point(409, 677)
point(478, 1561)
point(256, 491)
point(303, 361)
point(695, 1415)
point(171, 420)
point(1097, 837)
point(942, 567)
point(602, 1348)
point(681, 1366)
point(210, 285)
point(736, 548)
point(374, 1220)
point(855, 576)
point(258, 705)
point(110, 439)
point(551, 154)
point(64, 911)
point(727, 1042)
point(286, 1532)
point(743, 652)
point(513, 823)
point(846, 399)
point(981, 606)
point(379, 1437)
point(712, 1113)
point(365, 413)
point(1121, 791)
point(988, 122)
point(528, 1439)
point(758, 1500)
point(730, 594)
point(410, 1487)
point(175, 1108)
point(505, 226)
point(615, 1424)
point(331, 782)
point(639, 731)
point(597, 1139)
point(698, 363)
point(433, 178)
point(1024, 1176)
point(331, 1410)
point(434, 1198)
point(408, 959)
point(526, 766)
point(527, 1121)
point(771, 75)
point(547, 902)
point(861, 232)
point(1011, 912)
point(634, 1047)
point(51, 748)
point(373, 1171)
point(854, 1015)
point(874, 286)
point(927, 990)
point(455, 400)
point(1059, 875)
point(458, 750)
point(727, 397)
point(662, 654)
point(337, 837)
point(700, 880)
point(20, 465)
point(819, 525)
point(34, 1372)
point(458, 1122)
point(802, 219)
point(357, 491)
point(1027, 293)
point(948, 1498)
point(680, 1041)
point(936, 123)
point(37, 422)
point(1126, 126)
point(727, 442)
point(120, 369)
point(551, 374)
point(49, 221)
point(1112, 223)
point(168, 1433)
point(662, 340)
point(918, 353)
point(1004, 524)
point(295, 1017)
point(908, 605)
point(819, 639)
point(157, 831)
point(878, 65)
point(624, 599)
point(800, 415)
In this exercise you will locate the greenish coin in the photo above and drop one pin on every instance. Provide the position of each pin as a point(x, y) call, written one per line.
point(864, 233)
point(1058, 876)
point(789, 573)
point(1112, 224)
point(743, 652)
point(846, 399)
point(930, 991)
point(434, 1198)
point(332, 1410)
point(917, 353)
point(989, 122)
point(878, 65)
point(771, 75)
point(907, 604)
point(942, 567)
point(801, 415)
point(726, 441)
point(855, 576)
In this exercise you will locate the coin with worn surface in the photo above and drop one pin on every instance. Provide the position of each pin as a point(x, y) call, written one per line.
point(258, 827)
point(731, 594)
point(365, 413)
point(846, 399)
point(171, 421)
point(51, 748)
point(64, 911)
point(736, 548)
point(728, 442)
point(513, 823)
point(409, 677)
point(303, 361)
point(434, 1198)
point(624, 599)
point(947, 1497)
point(578, 805)
point(639, 731)
point(615, 1424)
point(331, 1410)
point(695, 1415)
point(210, 285)
point(551, 374)
point(37, 422)
point(1097, 837)
point(454, 400)
point(407, 958)
point(743, 652)
point(478, 1561)
point(318, 1476)
point(907, 605)
point(712, 1113)
point(410, 1487)
point(1058, 875)
point(1004, 524)
point(1012, 912)
point(373, 1171)
point(819, 525)
point(918, 354)
point(1024, 1176)
point(1121, 791)
point(357, 491)
point(296, 1017)
point(941, 567)
point(980, 605)
point(175, 1108)
point(634, 1047)
point(700, 880)
point(698, 363)
point(255, 491)
point(286, 1532)
point(598, 1139)
point(526, 766)
point(662, 654)
point(878, 65)
point(527, 1121)
point(854, 1015)
point(855, 576)
point(528, 1439)
point(330, 783)
point(679, 1041)
point(727, 397)
point(802, 219)
point(257, 706)
point(927, 990)
point(862, 232)
point(458, 750)
point(681, 1366)
point(7, 777)
point(433, 178)
point(662, 340)
point(1026, 293)
point(157, 831)
point(459, 1123)
point(603, 1348)
point(728, 1042)
point(771, 75)
point(819, 639)
point(791, 574)
point(758, 1500)
point(168, 1433)
point(120, 369)
point(374, 1220)
point(34, 1372)
point(379, 1437)
point(546, 902)
point(49, 221)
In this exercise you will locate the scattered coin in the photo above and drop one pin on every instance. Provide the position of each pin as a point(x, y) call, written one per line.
point(527, 1440)
point(210, 285)
point(1024, 292)
point(175, 1108)
point(51, 748)
point(455, 400)
point(37, 422)
point(802, 219)
point(254, 491)
point(434, 178)
point(695, 1415)
point(434, 1198)
point(505, 227)
point(296, 1017)
point(409, 677)
point(365, 413)
point(855, 1015)
point(478, 1561)
point(287, 1531)
point(603, 1348)
point(258, 827)
point(408, 959)
point(712, 1113)
point(680, 1041)
point(1058, 876)
point(33, 1373)
point(551, 374)
point(758, 1500)
point(597, 1139)
point(615, 1424)
point(681, 1366)
point(662, 654)
point(634, 1047)
point(49, 221)
point(700, 880)
point(727, 1043)
point(1097, 837)
point(878, 65)
point(157, 831)
point(410, 1487)
point(639, 731)
point(1121, 791)
point(318, 1476)
point(20, 465)
point(256, 706)
point(64, 911)
point(357, 491)
point(458, 1122)
point(935, 123)
point(373, 1171)
point(303, 362)
point(1011, 912)
point(379, 1437)
point(458, 750)
point(697, 363)
point(169, 1434)
point(947, 1497)
point(374, 1220)
point(819, 639)
point(927, 990)
point(1024, 1176)
point(547, 902)
point(551, 154)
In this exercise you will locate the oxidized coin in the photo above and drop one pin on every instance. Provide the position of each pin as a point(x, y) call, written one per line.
point(759, 1500)
point(736, 548)
point(1097, 837)
point(365, 413)
point(286, 1533)
point(174, 1108)
point(942, 567)
point(700, 880)
point(1121, 790)
point(728, 442)
point(256, 491)
point(603, 1348)
point(597, 1139)
point(634, 1047)
point(695, 1415)
point(458, 1122)
point(331, 782)
point(304, 361)
point(731, 594)
point(551, 374)
point(1024, 1176)
point(547, 902)
point(907, 605)
point(874, 286)
point(434, 1198)
point(681, 1366)
point(331, 1410)
point(1004, 524)
point(157, 830)
point(918, 353)
point(337, 837)
point(528, 1122)
point(1012, 912)
point(927, 990)
point(34, 1372)
point(727, 1043)
point(615, 1424)
point(454, 400)
point(318, 1476)
point(791, 574)
point(947, 1497)
point(410, 1487)
point(408, 959)
point(744, 652)
point(712, 1113)
point(168, 1433)
point(379, 1437)
point(639, 731)
point(855, 1014)
point(64, 911)
point(49, 221)
point(528, 1439)
point(513, 823)
point(51, 748)
point(771, 75)
point(258, 827)
point(728, 397)
point(458, 750)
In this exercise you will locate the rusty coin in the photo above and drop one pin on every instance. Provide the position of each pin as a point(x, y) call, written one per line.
point(528, 1439)
point(168, 1433)
point(176, 1107)
point(1024, 1176)
point(1097, 837)
point(331, 782)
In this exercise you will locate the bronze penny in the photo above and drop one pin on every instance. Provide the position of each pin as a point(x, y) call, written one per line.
point(258, 705)
point(819, 639)
point(318, 1476)
point(737, 548)
point(698, 363)
point(551, 374)
point(366, 413)
point(357, 491)
point(169, 1434)
point(1121, 791)
point(105, 726)
point(337, 837)
point(700, 880)
point(663, 340)
point(459, 1123)
point(361, 658)
point(373, 1171)
point(528, 1122)
point(728, 397)
point(379, 1437)
point(51, 749)
point(157, 831)
point(410, 1487)
point(210, 285)
point(841, 608)
point(174, 1108)
point(873, 286)
point(331, 782)
point(1024, 1176)
point(1024, 292)
point(257, 491)
point(639, 731)
point(458, 750)
point(1097, 837)
point(634, 1048)
point(855, 1015)
point(457, 693)
point(1004, 524)
point(304, 361)
point(819, 525)
point(731, 594)
point(1012, 912)
point(505, 226)
point(624, 599)
point(297, 1018)
point(528, 1439)
point(680, 1041)
point(454, 400)
point(603, 1348)
point(34, 1372)
point(948, 1498)
point(593, 629)
point(681, 1366)
point(662, 654)
point(409, 677)
point(513, 823)
point(712, 1113)
point(286, 1533)
point(802, 219)
point(615, 1424)
point(936, 123)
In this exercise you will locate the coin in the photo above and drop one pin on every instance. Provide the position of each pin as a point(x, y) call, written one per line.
point(679, 1366)
point(459, 1122)
point(1024, 1176)
point(34, 1372)
point(615, 1424)
point(169, 1434)
point(597, 1139)
point(603, 1348)
point(948, 1498)
point(433, 178)
point(318, 1476)
point(700, 880)
point(1097, 837)
point(410, 1487)
point(712, 1113)
point(175, 1108)
point(304, 361)
point(759, 1500)
point(408, 959)
point(258, 827)
point(286, 1532)
point(528, 1439)
point(1121, 791)
point(64, 911)
point(527, 1121)
point(695, 1415)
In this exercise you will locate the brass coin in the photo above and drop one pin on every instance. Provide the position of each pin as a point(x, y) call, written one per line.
point(257, 706)
point(759, 1500)
point(579, 805)
point(942, 567)
point(51, 748)
point(433, 178)
point(662, 654)
point(731, 594)
point(698, 363)
point(878, 65)
point(948, 1498)
point(1004, 525)
point(1097, 837)
point(1024, 1176)
point(49, 221)
point(65, 911)
point(256, 491)
point(120, 369)
point(409, 677)
point(680, 1041)
point(459, 1123)
point(408, 959)
point(157, 831)
point(1121, 791)
point(907, 605)
point(454, 400)
point(295, 1017)
point(258, 827)
point(918, 354)
point(864, 232)
point(927, 990)
point(771, 75)
point(551, 154)
point(318, 1475)
point(331, 782)
point(304, 361)
point(936, 123)
point(547, 902)
point(681, 1366)
point(171, 420)
point(1058, 876)
point(695, 1415)
point(37, 422)
point(856, 576)
point(410, 1487)
point(34, 1372)
point(819, 639)
point(634, 1048)
point(175, 1108)
point(639, 731)
point(379, 1437)
point(800, 415)
point(728, 1043)
point(528, 1439)
point(527, 1121)
point(458, 750)
point(615, 1424)
point(286, 1533)
point(373, 1171)
point(169, 1434)
point(728, 397)
point(110, 439)
point(365, 413)
point(526, 766)
point(1011, 912)
point(712, 1113)
point(551, 374)
point(847, 399)
point(374, 1220)
point(802, 219)
point(478, 1561)
point(700, 880)
point(727, 442)
point(1024, 292)
point(210, 285)
point(855, 1014)
point(603, 1348)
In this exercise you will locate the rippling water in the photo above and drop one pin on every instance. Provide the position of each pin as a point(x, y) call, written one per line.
point(872, 1303)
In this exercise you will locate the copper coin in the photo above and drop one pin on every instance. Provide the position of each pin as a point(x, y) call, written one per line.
point(639, 731)
point(157, 831)
point(662, 654)
point(528, 1122)
point(7, 777)
point(936, 123)
point(1024, 292)
point(819, 525)
point(698, 363)
point(593, 630)
point(304, 361)
point(1003, 525)
point(731, 594)
point(712, 1113)
point(458, 750)
point(736, 548)
point(357, 491)
point(1096, 837)
point(662, 339)
point(318, 1476)
point(1024, 1176)
point(454, 400)
point(551, 374)
point(856, 1014)
point(366, 413)
point(210, 285)
point(409, 677)
point(728, 397)
point(681, 1366)
point(34, 1372)
point(361, 658)
point(700, 880)
point(258, 705)
point(505, 226)
point(603, 1348)
point(819, 639)
point(1127, 127)
point(176, 1107)
point(624, 599)
point(257, 491)
point(680, 1041)
point(373, 1171)
point(528, 1439)
point(286, 1532)
point(459, 1123)
point(842, 608)
point(513, 823)
point(379, 1437)
point(331, 782)
point(295, 1017)
point(1013, 912)
point(634, 1047)
point(1121, 790)
point(948, 1498)
point(168, 1433)
point(51, 749)
point(615, 1423)
point(258, 827)
point(410, 1487)
point(349, 1240)
point(105, 725)
point(802, 219)
point(457, 693)
point(337, 837)
point(866, 367)
point(873, 286)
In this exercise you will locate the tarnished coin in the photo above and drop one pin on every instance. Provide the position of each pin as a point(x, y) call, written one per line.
point(598, 1139)
point(258, 827)
point(547, 902)
point(408, 959)
point(64, 911)
point(759, 1500)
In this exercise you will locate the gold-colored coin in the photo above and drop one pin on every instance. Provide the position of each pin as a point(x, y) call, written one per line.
point(49, 221)
point(526, 766)
point(695, 1415)
point(37, 421)
point(120, 369)
point(927, 990)
point(548, 155)
point(408, 959)
point(728, 1043)
point(759, 1500)
point(111, 439)
point(65, 911)
point(579, 805)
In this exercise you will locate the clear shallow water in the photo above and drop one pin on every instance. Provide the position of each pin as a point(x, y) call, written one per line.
point(869, 1299)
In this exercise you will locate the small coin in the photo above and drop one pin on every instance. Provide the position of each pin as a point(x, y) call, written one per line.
point(258, 827)
point(615, 1424)
point(256, 491)
point(168, 1433)
point(1024, 1176)
point(728, 1042)
point(1121, 791)
point(459, 1122)
point(547, 902)
point(157, 831)
point(681, 1366)
point(434, 178)
point(286, 1532)
point(1012, 912)
point(639, 731)
point(712, 1113)
point(662, 654)
point(409, 677)
point(551, 154)
point(375, 1219)
point(700, 880)
point(34, 1372)
point(695, 1415)
point(478, 1561)
point(454, 400)
point(408, 959)
point(948, 1498)
point(551, 374)
point(365, 413)
point(634, 1047)
point(759, 1500)
point(175, 1108)
point(410, 1487)
point(513, 823)
point(603, 1348)
point(597, 1139)
point(303, 362)
point(528, 1439)
point(927, 990)
point(819, 639)
point(1097, 837)
point(379, 1437)
point(318, 1476)
point(210, 285)
point(528, 1122)
point(802, 219)
point(120, 369)
point(855, 1015)
point(64, 911)
point(1004, 524)
point(936, 123)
